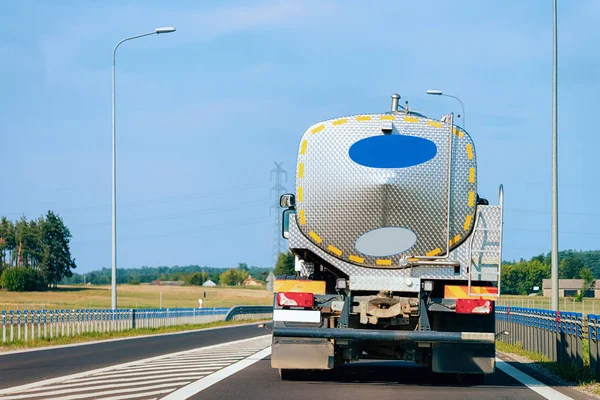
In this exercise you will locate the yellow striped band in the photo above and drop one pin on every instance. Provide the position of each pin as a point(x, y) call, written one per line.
point(471, 175)
point(363, 118)
point(468, 222)
point(470, 151)
point(300, 194)
point(317, 129)
point(383, 261)
point(387, 118)
point(340, 122)
point(315, 237)
point(300, 170)
point(471, 199)
point(357, 259)
point(302, 217)
point(303, 147)
point(434, 252)
point(435, 124)
point(454, 240)
point(411, 119)
point(334, 250)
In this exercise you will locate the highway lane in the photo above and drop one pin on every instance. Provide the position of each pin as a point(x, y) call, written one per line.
point(367, 380)
point(22, 368)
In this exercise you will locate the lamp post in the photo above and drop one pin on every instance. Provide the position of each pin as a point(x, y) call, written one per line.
point(440, 93)
point(114, 165)
point(554, 163)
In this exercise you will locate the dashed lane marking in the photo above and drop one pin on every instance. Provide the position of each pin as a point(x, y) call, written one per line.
point(149, 378)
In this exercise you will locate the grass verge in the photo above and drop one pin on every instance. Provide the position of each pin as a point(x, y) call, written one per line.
point(579, 375)
point(94, 336)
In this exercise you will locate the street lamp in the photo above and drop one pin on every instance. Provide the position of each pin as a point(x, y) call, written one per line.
point(114, 164)
point(440, 93)
point(554, 257)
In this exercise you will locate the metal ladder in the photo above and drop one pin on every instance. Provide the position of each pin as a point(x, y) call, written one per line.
point(488, 248)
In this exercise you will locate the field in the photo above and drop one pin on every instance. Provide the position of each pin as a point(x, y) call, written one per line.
point(587, 306)
point(134, 296)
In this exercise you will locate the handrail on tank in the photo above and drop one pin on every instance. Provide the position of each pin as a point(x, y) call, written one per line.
point(501, 204)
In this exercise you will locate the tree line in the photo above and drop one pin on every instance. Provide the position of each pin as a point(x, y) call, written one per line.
point(190, 274)
point(520, 277)
point(34, 254)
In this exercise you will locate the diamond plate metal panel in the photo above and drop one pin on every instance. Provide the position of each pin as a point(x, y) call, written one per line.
point(376, 283)
point(339, 200)
point(488, 216)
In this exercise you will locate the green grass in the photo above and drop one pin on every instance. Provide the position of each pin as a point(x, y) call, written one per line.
point(134, 296)
point(93, 336)
point(580, 375)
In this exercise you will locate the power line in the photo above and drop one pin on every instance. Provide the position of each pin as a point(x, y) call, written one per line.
point(233, 224)
point(165, 217)
point(159, 200)
point(561, 213)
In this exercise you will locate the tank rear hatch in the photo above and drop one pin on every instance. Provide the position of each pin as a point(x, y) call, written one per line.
point(378, 189)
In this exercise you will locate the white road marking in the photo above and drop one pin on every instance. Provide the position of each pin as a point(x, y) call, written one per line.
point(200, 385)
point(532, 383)
point(93, 394)
point(139, 375)
point(143, 378)
point(112, 384)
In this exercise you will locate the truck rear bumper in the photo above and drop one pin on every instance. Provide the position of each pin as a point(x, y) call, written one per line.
point(386, 335)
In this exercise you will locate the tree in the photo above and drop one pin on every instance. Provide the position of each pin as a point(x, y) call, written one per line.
point(233, 277)
point(285, 264)
point(569, 268)
point(521, 277)
point(7, 240)
point(22, 279)
point(589, 282)
point(196, 278)
point(243, 266)
point(57, 261)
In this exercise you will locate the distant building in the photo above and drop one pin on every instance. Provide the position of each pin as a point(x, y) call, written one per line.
point(570, 288)
point(250, 281)
point(209, 283)
point(167, 283)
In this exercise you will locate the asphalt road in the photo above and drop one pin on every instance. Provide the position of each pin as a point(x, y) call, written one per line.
point(366, 380)
point(21, 368)
point(199, 367)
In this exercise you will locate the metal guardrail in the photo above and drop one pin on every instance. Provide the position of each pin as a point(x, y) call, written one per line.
point(19, 326)
point(558, 335)
point(243, 312)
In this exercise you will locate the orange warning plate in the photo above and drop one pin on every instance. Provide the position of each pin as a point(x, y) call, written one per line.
point(283, 285)
point(462, 292)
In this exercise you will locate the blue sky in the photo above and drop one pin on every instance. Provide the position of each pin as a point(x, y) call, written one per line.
point(203, 113)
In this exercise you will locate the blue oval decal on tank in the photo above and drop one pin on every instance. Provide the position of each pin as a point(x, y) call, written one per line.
point(392, 151)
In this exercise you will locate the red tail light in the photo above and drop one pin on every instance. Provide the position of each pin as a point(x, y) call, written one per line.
point(474, 306)
point(295, 299)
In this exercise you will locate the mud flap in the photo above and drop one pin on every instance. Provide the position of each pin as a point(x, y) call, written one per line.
point(288, 353)
point(464, 358)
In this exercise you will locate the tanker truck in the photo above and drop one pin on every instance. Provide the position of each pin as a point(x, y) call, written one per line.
point(397, 257)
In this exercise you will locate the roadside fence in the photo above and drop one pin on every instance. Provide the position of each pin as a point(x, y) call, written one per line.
point(37, 324)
